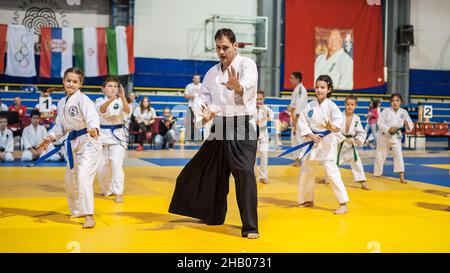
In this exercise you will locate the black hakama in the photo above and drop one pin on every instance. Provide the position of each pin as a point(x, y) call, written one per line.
point(202, 187)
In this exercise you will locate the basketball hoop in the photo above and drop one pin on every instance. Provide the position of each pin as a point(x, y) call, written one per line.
point(242, 45)
point(251, 32)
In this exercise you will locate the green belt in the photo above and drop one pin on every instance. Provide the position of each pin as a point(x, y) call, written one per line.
point(355, 154)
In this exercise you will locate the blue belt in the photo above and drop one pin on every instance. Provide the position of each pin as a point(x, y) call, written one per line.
point(72, 136)
point(113, 128)
point(309, 145)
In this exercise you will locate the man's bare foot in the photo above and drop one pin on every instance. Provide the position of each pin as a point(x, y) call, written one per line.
point(119, 198)
point(343, 209)
point(253, 235)
point(90, 222)
point(364, 186)
point(307, 204)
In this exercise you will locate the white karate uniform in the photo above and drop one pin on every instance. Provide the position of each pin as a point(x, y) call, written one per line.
point(299, 99)
point(225, 102)
point(7, 143)
point(347, 152)
point(313, 118)
point(265, 114)
point(75, 113)
point(3, 107)
point(32, 137)
point(192, 90)
point(110, 173)
point(388, 119)
point(339, 67)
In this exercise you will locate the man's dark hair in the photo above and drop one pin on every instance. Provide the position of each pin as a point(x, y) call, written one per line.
point(227, 33)
point(298, 75)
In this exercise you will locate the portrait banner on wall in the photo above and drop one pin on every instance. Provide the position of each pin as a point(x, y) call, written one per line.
point(334, 56)
point(347, 45)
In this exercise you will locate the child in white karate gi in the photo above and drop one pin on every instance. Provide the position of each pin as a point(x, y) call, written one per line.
point(317, 124)
point(112, 108)
point(78, 117)
point(6, 141)
point(351, 135)
point(32, 136)
point(390, 122)
point(264, 115)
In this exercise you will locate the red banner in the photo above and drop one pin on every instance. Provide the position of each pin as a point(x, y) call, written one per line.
point(3, 30)
point(341, 38)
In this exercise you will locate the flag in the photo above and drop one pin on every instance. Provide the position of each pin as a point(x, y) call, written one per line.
point(3, 30)
point(90, 51)
point(20, 55)
point(56, 51)
point(120, 50)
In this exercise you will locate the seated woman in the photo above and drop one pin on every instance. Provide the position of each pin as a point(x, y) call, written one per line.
point(166, 133)
point(145, 117)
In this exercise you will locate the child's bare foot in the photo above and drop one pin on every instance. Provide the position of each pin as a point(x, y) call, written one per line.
point(119, 198)
point(297, 163)
point(447, 195)
point(323, 181)
point(343, 209)
point(307, 204)
point(264, 181)
point(253, 235)
point(402, 178)
point(75, 216)
point(364, 186)
point(90, 222)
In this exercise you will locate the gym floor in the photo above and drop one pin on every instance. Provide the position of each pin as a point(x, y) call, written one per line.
point(391, 217)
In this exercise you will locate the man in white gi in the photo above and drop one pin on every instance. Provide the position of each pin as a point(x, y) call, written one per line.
point(299, 99)
point(228, 99)
point(191, 91)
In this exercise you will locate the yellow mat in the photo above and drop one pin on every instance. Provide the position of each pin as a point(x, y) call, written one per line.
point(392, 217)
